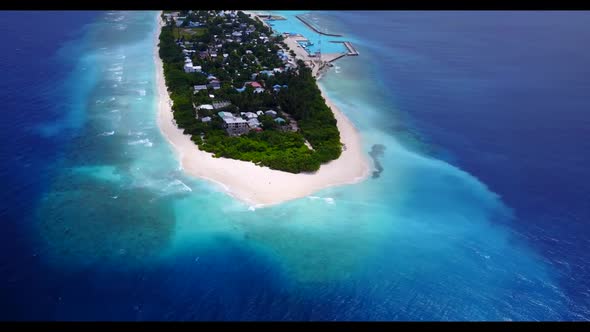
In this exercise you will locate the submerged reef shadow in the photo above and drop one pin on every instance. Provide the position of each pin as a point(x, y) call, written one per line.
point(376, 152)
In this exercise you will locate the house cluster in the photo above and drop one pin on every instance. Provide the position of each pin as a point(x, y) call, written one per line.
point(234, 50)
point(189, 67)
point(233, 32)
point(237, 125)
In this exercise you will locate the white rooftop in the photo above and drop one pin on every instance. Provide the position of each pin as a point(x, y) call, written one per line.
point(234, 120)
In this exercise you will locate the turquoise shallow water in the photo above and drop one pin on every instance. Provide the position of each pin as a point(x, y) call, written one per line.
point(122, 233)
point(320, 42)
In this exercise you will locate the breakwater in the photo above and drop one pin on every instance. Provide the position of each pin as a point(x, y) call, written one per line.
point(311, 26)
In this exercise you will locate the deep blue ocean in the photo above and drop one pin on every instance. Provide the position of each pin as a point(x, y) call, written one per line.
point(481, 212)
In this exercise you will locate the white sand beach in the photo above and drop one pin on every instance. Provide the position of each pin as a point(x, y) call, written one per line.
point(255, 185)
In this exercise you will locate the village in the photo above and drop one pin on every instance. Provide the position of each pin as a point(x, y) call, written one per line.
point(242, 91)
point(233, 54)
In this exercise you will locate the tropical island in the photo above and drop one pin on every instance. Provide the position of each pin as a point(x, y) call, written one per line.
point(240, 93)
point(242, 108)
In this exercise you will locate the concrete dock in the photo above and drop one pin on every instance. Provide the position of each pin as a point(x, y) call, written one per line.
point(350, 49)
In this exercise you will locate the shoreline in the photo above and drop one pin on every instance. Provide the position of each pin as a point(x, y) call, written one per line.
point(247, 182)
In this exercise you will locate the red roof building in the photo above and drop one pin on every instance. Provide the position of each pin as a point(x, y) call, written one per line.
point(255, 84)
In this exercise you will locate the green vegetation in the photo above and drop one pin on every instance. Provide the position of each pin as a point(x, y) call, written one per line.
point(276, 146)
point(187, 33)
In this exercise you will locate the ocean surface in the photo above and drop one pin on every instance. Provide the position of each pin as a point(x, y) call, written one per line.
point(479, 120)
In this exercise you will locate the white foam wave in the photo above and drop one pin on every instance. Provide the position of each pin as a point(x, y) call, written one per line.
point(141, 92)
point(116, 68)
point(135, 133)
point(145, 142)
point(328, 200)
point(177, 183)
point(115, 111)
point(107, 133)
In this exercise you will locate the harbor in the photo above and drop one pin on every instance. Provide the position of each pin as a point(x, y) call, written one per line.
point(305, 49)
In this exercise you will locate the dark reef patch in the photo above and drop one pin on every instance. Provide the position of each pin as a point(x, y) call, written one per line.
point(376, 152)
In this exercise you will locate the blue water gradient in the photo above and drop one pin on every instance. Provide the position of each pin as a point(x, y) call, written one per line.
point(478, 213)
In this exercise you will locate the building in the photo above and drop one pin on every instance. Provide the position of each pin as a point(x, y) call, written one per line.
point(258, 90)
point(215, 85)
point(253, 123)
point(205, 107)
point(225, 114)
point(280, 120)
point(200, 87)
point(235, 126)
point(190, 68)
point(254, 84)
point(271, 113)
point(221, 104)
point(259, 113)
point(194, 24)
point(206, 119)
point(249, 115)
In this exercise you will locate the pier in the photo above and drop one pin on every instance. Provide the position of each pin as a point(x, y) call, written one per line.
point(316, 29)
point(349, 48)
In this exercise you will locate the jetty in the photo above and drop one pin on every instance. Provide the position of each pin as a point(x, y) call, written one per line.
point(312, 27)
point(349, 48)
